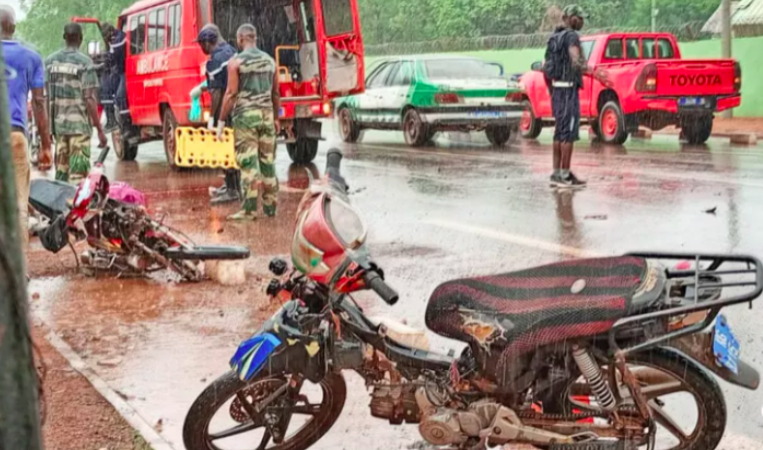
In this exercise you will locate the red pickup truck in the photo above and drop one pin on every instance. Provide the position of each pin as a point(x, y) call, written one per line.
point(651, 87)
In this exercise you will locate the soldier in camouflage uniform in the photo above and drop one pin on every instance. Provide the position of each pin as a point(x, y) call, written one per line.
point(252, 96)
point(72, 86)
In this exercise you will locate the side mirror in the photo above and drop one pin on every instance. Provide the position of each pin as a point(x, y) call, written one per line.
point(93, 48)
point(536, 66)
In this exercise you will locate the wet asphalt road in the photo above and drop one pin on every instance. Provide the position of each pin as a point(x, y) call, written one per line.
point(454, 210)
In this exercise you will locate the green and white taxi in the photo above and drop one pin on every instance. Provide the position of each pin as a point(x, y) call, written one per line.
point(423, 95)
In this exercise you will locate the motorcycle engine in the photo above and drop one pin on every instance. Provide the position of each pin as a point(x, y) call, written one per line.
point(446, 426)
point(396, 403)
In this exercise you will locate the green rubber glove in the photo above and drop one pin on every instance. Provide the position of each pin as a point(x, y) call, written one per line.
point(194, 115)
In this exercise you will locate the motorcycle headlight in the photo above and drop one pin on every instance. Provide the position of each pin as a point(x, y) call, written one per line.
point(346, 222)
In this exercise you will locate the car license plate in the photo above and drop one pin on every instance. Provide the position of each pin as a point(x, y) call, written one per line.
point(487, 114)
point(726, 347)
point(691, 101)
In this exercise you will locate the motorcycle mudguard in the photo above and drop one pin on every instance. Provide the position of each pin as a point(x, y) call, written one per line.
point(252, 355)
point(699, 348)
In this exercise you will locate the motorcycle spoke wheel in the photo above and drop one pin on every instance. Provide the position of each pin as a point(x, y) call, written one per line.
point(682, 406)
point(245, 421)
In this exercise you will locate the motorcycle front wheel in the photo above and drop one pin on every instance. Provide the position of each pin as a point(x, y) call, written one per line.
point(686, 402)
point(265, 413)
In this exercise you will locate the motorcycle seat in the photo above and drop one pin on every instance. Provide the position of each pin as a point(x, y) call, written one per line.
point(50, 197)
point(538, 306)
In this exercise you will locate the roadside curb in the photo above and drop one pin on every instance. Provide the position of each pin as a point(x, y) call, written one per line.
point(124, 409)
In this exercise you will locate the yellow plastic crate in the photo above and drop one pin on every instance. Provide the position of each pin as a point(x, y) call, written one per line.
point(199, 147)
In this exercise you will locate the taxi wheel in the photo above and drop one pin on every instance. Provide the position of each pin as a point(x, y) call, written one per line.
point(169, 125)
point(498, 135)
point(530, 126)
point(348, 128)
point(415, 130)
point(612, 124)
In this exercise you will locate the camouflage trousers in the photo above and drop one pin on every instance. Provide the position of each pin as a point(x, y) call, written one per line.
point(72, 157)
point(256, 153)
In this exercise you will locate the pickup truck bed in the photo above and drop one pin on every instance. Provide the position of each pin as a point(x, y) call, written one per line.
point(651, 87)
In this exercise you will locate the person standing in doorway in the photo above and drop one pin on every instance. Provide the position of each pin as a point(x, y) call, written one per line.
point(252, 98)
point(24, 73)
point(115, 74)
point(220, 53)
point(564, 68)
point(72, 87)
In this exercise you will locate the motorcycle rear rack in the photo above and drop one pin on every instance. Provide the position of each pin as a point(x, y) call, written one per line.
point(699, 281)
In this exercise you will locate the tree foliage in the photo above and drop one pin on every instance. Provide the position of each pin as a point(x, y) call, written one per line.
point(387, 21)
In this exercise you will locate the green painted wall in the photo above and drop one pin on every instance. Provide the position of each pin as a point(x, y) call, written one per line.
point(746, 50)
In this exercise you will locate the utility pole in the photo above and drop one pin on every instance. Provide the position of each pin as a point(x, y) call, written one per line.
point(19, 415)
point(654, 15)
point(726, 40)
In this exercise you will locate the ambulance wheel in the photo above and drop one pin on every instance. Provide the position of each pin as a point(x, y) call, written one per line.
point(169, 125)
point(529, 126)
point(303, 151)
point(123, 150)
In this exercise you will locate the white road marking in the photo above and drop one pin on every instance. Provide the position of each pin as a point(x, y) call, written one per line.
point(131, 416)
point(514, 239)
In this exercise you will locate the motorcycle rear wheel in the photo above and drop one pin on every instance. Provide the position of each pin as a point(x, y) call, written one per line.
point(227, 393)
point(677, 375)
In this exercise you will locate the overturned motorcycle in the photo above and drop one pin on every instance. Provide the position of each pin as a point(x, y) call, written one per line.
point(583, 354)
point(122, 236)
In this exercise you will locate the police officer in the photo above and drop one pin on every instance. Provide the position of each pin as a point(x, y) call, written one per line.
point(219, 52)
point(252, 98)
point(117, 40)
point(564, 67)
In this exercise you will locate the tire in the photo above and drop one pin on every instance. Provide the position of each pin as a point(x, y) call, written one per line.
point(612, 124)
point(348, 128)
point(697, 130)
point(416, 132)
point(595, 129)
point(530, 126)
point(303, 151)
point(224, 388)
point(169, 125)
point(123, 150)
point(698, 383)
point(498, 135)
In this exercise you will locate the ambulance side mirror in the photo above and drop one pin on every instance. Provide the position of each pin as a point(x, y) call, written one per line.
point(537, 66)
point(93, 48)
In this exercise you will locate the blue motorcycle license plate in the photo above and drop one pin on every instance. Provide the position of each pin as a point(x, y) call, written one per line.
point(726, 347)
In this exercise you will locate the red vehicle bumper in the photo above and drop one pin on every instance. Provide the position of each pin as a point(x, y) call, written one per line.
point(670, 105)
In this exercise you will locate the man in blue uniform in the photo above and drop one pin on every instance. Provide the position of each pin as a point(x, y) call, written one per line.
point(564, 67)
point(219, 52)
point(117, 40)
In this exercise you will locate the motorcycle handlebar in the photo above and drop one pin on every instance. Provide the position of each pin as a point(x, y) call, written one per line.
point(378, 285)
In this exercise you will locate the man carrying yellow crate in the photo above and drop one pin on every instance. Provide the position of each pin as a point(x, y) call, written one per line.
point(219, 52)
point(252, 96)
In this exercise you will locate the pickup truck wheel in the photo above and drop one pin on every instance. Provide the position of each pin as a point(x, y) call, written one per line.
point(697, 130)
point(498, 135)
point(530, 126)
point(612, 124)
point(348, 128)
point(169, 125)
point(415, 130)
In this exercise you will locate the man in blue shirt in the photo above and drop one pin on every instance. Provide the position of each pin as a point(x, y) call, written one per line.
point(219, 52)
point(117, 40)
point(24, 73)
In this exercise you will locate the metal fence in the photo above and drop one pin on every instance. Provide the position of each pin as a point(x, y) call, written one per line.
point(691, 31)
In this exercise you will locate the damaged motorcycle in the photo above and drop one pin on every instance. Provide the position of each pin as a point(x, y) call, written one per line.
point(605, 353)
point(114, 221)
